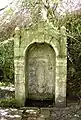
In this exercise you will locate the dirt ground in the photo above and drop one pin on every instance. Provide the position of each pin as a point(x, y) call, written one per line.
point(71, 112)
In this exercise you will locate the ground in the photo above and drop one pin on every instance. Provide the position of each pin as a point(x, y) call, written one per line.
point(42, 112)
point(71, 112)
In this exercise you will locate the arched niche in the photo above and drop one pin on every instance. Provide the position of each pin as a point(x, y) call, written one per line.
point(40, 71)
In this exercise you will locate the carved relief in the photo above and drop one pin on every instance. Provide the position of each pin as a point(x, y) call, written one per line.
point(41, 70)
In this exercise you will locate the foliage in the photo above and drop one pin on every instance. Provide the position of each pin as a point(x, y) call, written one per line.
point(73, 23)
point(10, 102)
point(6, 60)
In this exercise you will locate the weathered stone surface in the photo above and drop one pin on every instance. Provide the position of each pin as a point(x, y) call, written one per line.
point(42, 49)
point(60, 84)
point(46, 112)
point(32, 114)
point(41, 71)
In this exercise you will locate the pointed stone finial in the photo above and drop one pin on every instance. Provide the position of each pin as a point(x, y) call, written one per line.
point(17, 31)
point(63, 29)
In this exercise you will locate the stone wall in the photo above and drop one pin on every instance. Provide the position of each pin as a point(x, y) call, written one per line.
point(31, 48)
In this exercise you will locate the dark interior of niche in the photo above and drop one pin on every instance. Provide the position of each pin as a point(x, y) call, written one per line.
point(39, 103)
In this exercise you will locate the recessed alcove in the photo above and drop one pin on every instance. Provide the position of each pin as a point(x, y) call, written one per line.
point(40, 70)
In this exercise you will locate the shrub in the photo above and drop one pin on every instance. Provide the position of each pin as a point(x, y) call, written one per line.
point(7, 60)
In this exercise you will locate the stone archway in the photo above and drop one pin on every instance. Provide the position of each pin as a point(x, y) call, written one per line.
point(33, 43)
point(40, 69)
